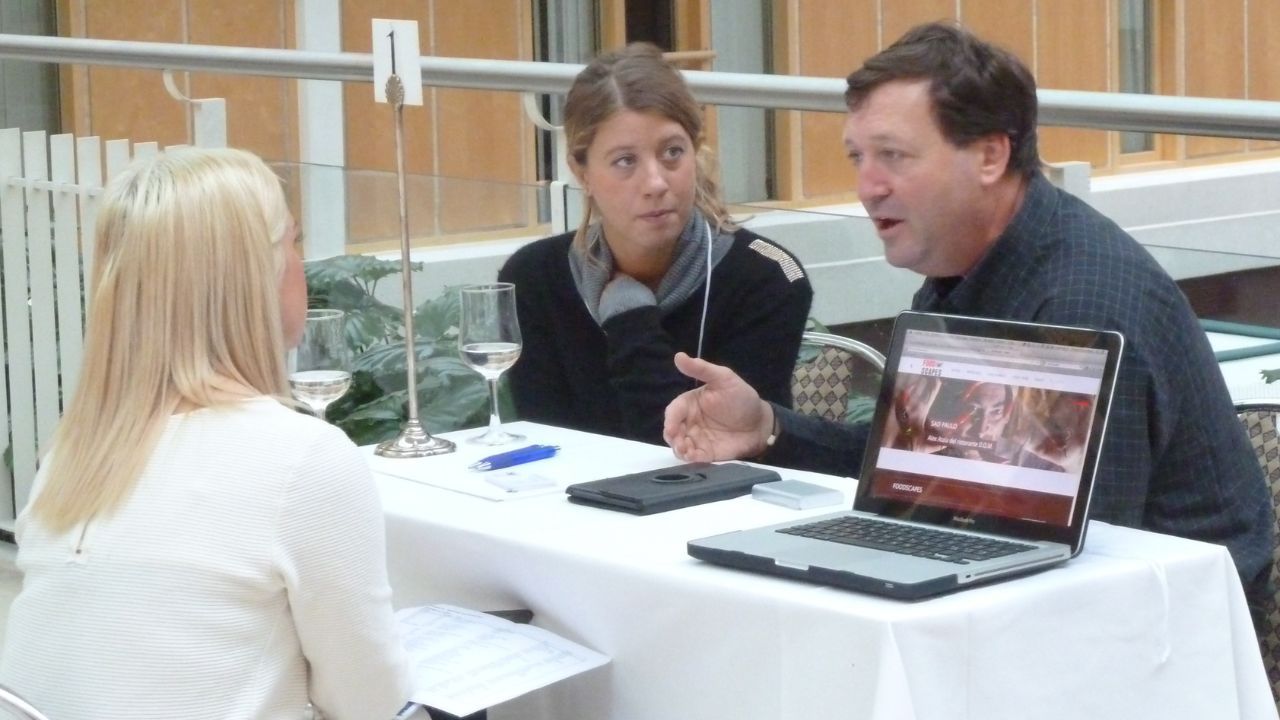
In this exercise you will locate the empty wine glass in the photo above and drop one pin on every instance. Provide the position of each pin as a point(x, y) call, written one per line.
point(489, 341)
point(322, 366)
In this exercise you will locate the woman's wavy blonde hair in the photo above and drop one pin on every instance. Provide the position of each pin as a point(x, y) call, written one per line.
point(185, 312)
point(638, 78)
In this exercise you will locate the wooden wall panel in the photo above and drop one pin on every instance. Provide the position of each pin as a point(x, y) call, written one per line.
point(373, 213)
point(370, 136)
point(1263, 27)
point(835, 39)
point(1214, 64)
point(260, 111)
point(1072, 54)
point(482, 134)
point(457, 135)
point(1007, 23)
point(1264, 50)
point(788, 170)
point(613, 23)
point(899, 16)
point(73, 80)
point(692, 20)
point(473, 134)
point(373, 208)
point(149, 114)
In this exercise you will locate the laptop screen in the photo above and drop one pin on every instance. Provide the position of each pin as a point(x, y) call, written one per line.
point(995, 426)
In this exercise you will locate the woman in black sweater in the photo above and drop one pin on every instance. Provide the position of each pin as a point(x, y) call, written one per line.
point(603, 310)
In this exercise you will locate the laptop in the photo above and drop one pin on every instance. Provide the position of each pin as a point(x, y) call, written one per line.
point(979, 464)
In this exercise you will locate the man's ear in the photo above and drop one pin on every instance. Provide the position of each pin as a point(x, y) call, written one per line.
point(994, 151)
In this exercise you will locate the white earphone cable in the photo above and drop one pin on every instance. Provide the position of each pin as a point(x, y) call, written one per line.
point(706, 297)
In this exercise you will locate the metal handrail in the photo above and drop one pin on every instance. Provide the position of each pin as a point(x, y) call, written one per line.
point(1109, 111)
point(848, 344)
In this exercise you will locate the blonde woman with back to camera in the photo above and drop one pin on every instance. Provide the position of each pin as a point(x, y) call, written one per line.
point(195, 548)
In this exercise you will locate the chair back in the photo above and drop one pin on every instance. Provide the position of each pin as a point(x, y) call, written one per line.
point(1260, 420)
point(827, 373)
point(14, 707)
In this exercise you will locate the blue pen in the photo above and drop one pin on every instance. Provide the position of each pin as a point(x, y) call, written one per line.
point(515, 457)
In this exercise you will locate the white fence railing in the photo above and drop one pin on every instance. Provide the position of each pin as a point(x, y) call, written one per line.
point(49, 187)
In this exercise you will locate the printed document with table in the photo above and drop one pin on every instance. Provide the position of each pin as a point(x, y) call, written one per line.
point(979, 463)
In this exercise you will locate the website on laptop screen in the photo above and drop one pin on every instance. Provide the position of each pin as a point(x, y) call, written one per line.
point(989, 425)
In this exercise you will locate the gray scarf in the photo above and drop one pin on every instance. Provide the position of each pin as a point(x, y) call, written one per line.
point(687, 273)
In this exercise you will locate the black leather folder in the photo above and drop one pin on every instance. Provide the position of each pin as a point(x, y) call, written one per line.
point(655, 491)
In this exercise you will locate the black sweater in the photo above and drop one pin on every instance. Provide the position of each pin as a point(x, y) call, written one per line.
point(617, 380)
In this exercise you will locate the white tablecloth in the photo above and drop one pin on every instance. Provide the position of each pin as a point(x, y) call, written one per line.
point(1139, 626)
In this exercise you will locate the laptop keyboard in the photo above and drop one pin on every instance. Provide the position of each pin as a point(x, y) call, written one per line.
point(907, 539)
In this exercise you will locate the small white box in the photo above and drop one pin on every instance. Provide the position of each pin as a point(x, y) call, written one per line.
point(797, 494)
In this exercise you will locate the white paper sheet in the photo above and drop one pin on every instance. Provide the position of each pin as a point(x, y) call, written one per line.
point(465, 661)
point(449, 472)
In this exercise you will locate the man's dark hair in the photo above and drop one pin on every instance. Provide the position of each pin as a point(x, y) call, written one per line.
point(977, 88)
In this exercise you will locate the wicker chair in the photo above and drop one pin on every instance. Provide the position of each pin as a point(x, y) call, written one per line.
point(1260, 422)
point(13, 707)
point(827, 373)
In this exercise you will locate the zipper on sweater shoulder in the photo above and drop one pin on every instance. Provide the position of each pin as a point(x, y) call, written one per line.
point(80, 553)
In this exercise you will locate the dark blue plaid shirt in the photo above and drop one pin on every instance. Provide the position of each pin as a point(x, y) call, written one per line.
point(1175, 459)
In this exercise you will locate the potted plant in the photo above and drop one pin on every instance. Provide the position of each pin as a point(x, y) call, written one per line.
point(450, 394)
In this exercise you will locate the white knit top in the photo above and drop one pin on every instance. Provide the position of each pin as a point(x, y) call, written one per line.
point(244, 577)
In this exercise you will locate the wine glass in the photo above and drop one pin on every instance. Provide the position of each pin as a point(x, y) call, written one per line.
point(489, 341)
point(322, 368)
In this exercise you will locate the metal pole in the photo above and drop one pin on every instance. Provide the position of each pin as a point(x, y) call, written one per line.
point(414, 440)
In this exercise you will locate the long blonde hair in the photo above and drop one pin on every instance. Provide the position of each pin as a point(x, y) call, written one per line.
point(638, 78)
point(185, 311)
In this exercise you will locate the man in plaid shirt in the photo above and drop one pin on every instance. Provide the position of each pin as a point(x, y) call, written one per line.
point(942, 131)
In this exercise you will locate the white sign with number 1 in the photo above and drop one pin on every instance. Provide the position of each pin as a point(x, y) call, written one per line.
point(395, 52)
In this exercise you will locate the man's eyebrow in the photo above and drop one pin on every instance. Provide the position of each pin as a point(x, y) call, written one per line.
point(885, 136)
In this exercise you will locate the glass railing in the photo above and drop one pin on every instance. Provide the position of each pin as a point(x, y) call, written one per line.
point(1224, 286)
point(358, 211)
point(1233, 294)
point(462, 230)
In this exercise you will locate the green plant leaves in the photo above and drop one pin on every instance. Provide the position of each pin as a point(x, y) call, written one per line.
point(450, 394)
point(439, 317)
point(386, 358)
point(448, 366)
point(463, 405)
point(359, 268)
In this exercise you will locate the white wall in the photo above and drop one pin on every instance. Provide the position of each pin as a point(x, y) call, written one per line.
point(1200, 221)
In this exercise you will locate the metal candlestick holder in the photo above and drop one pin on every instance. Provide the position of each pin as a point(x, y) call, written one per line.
point(414, 441)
